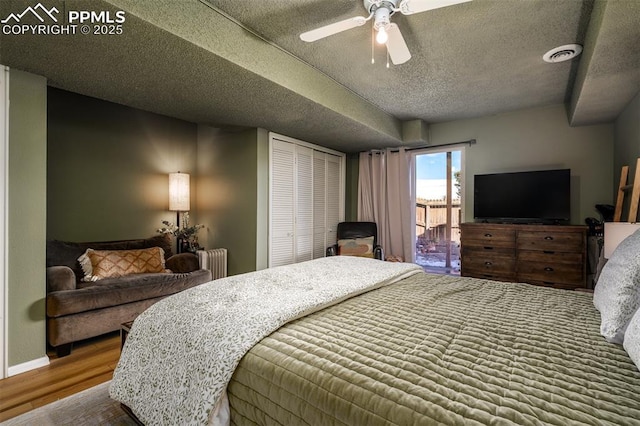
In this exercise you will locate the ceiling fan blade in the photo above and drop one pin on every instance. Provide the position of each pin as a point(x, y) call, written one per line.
point(409, 7)
point(332, 29)
point(396, 46)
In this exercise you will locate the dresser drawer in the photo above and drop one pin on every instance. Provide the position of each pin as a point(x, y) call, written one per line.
point(551, 241)
point(488, 237)
point(574, 259)
point(550, 267)
point(493, 264)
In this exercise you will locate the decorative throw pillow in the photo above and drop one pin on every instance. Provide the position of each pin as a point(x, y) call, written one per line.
point(98, 264)
point(362, 247)
point(632, 339)
point(617, 294)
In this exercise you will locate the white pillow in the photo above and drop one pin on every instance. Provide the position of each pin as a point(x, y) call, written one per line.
point(632, 339)
point(617, 294)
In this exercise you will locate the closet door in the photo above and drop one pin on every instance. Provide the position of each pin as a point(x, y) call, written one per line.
point(306, 200)
point(334, 209)
point(319, 204)
point(303, 196)
point(282, 217)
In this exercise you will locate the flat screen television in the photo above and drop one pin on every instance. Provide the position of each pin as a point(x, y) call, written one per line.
point(542, 196)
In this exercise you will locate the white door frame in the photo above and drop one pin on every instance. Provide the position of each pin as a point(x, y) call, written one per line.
point(4, 192)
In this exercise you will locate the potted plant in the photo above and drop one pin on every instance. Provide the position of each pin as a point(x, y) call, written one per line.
point(186, 235)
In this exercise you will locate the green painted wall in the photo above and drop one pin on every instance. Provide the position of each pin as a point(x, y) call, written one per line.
point(228, 194)
point(536, 139)
point(262, 212)
point(539, 138)
point(27, 187)
point(108, 177)
point(108, 168)
point(627, 146)
point(351, 190)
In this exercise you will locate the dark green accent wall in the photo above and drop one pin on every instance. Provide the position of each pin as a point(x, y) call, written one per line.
point(108, 177)
point(229, 188)
point(108, 168)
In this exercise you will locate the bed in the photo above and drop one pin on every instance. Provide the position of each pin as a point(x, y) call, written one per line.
point(411, 348)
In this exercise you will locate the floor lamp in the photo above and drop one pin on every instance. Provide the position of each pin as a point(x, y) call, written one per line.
point(179, 198)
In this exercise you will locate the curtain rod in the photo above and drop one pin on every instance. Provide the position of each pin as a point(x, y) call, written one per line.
point(469, 142)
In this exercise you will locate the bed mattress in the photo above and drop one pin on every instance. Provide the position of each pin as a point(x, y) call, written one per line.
point(440, 350)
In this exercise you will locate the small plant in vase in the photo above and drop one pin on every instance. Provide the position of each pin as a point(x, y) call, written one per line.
point(186, 235)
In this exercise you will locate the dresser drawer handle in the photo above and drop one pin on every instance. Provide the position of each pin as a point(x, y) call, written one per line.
point(488, 263)
point(548, 252)
point(548, 238)
point(548, 269)
point(488, 248)
point(488, 235)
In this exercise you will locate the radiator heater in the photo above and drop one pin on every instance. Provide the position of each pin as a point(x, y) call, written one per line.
point(214, 260)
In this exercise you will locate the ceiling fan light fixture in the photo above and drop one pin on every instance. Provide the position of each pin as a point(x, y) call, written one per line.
point(381, 23)
point(382, 37)
point(389, 33)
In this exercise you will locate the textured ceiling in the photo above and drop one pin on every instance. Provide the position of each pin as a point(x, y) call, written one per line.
point(241, 63)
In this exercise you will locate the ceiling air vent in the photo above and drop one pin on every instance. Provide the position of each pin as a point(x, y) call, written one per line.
point(562, 53)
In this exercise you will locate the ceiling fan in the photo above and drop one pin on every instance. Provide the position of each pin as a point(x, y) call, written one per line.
point(388, 32)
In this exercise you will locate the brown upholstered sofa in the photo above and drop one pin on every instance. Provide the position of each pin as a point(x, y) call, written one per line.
point(78, 310)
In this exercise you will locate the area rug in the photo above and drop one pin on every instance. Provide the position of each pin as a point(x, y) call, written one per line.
point(89, 407)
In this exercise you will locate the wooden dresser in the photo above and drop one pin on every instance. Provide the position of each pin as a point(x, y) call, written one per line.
point(547, 255)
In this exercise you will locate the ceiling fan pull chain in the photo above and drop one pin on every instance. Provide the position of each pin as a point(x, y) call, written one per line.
point(373, 42)
point(387, 57)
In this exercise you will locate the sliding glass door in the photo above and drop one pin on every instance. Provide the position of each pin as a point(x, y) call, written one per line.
point(438, 202)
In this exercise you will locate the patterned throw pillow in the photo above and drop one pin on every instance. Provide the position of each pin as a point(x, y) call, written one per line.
point(362, 247)
point(617, 293)
point(99, 264)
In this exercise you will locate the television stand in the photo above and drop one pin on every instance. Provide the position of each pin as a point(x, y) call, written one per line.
point(547, 255)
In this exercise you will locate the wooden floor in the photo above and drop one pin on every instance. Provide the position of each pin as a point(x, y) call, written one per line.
point(91, 362)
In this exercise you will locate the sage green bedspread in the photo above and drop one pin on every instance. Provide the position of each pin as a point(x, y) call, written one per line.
point(441, 350)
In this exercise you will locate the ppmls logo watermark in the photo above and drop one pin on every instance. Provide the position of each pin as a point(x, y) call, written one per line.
point(38, 20)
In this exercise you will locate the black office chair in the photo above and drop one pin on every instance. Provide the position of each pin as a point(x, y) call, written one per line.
point(353, 230)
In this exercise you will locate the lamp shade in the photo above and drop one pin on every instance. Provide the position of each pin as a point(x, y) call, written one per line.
point(179, 196)
point(614, 233)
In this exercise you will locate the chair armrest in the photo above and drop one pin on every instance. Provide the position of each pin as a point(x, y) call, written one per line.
point(60, 278)
point(378, 253)
point(332, 250)
point(183, 262)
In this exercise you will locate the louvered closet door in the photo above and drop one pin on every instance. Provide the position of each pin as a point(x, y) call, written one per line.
point(333, 197)
point(282, 182)
point(305, 201)
point(303, 197)
point(319, 204)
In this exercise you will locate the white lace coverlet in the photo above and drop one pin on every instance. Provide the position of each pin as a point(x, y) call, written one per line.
point(182, 351)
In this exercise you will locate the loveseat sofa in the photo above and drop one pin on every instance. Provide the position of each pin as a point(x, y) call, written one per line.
point(78, 309)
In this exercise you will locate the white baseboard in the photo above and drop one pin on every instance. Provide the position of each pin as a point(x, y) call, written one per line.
point(28, 366)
